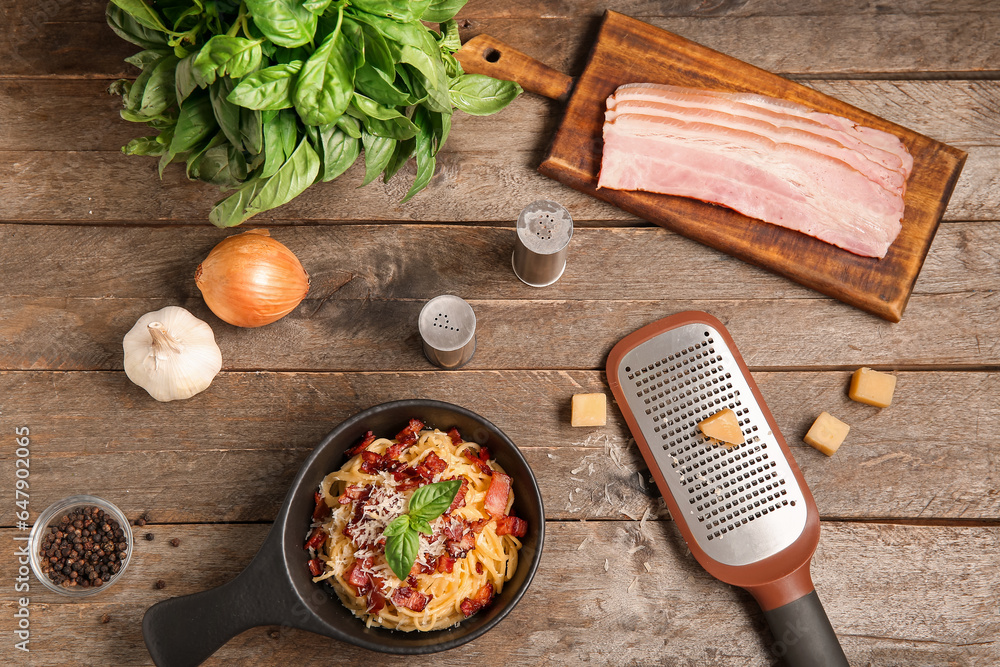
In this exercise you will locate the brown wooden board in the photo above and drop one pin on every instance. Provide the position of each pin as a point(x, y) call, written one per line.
point(628, 51)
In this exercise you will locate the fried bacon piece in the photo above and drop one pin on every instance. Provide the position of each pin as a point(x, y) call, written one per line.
point(368, 439)
point(408, 479)
point(445, 564)
point(482, 464)
point(376, 601)
point(482, 598)
point(484, 453)
point(355, 492)
point(357, 576)
point(408, 435)
point(459, 500)
point(316, 539)
point(431, 465)
point(477, 526)
point(495, 501)
point(373, 462)
point(511, 525)
point(414, 600)
point(456, 438)
point(458, 548)
point(315, 567)
point(322, 510)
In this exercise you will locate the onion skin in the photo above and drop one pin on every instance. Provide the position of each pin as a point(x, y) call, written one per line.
point(250, 279)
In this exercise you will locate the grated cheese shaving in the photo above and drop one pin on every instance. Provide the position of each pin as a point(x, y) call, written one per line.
point(631, 586)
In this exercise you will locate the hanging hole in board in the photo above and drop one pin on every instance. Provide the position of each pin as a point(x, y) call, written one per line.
point(491, 55)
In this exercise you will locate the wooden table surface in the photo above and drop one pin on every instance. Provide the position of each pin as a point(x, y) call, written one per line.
point(91, 239)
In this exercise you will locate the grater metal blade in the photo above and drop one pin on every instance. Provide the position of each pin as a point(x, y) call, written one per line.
point(745, 512)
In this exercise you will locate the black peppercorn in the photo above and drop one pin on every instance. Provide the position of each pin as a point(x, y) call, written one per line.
point(149, 537)
point(71, 552)
point(175, 542)
point(160, 584)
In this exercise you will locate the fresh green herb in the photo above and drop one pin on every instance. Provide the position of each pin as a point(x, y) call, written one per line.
point(266, 97)
point(402, 535)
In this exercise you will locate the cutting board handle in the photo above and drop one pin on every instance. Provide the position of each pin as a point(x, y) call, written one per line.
point(487, 55)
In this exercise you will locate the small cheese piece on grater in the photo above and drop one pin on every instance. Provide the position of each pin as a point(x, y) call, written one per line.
point(827, 433)
point(872, 387)
point(724, 427)
point(589, 410)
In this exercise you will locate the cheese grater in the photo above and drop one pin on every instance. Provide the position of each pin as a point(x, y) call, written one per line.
point(745, 511)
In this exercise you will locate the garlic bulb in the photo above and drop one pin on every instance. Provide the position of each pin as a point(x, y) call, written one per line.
point(171, 354)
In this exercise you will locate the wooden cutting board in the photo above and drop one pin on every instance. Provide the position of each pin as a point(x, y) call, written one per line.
point(630, 51)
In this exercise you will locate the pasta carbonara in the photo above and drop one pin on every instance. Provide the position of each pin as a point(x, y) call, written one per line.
point(470, 554)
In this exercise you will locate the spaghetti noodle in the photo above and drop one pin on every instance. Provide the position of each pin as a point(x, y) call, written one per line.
point(470, 554)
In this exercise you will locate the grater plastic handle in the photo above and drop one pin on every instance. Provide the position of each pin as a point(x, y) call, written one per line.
point(803, 636)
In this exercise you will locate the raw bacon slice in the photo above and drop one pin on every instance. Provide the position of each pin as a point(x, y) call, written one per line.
point(786, 174)
point(879, 146)
point(511, 525)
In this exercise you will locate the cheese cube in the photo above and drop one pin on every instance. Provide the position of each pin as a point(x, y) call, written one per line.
point(872, 387)
point(723, 427)
point(827, 433)
point(589, 410)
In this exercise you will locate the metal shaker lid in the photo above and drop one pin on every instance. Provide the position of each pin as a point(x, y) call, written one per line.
point(447, 326)
point(544, 230)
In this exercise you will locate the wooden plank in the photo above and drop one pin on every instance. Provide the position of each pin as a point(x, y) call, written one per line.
point(375, 334)
point(601, 262)
point(79, 115)
point(814, 37)
point(105, 187)
point(944, 581)
point(880, 286)
point(230, 453)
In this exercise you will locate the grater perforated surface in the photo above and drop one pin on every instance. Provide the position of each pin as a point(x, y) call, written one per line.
point(743, 503)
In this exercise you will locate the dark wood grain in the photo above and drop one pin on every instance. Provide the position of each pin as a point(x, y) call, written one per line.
point(601, 263)
point(940, 610)
point(230, 453)
point(878, 286)
point(375, 334)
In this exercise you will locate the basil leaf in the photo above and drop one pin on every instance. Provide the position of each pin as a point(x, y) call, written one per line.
point(132, 31)
point(325, 83)
point(143, 14)
point(377, 52)
point(431, 500)
point(338, 151)
point(424, 152)
point(442, 127)
point(195, 123)
point(252, 131)
point(144, 146)
point(371, 82)
point(144, 59)
point(184, 81)
point(413, 44)
point(449, 36)
point(401, 552)
point(269, 88)
point(316, 6)
point(397, 526)
point(287, 23)
point(231, 211)
point(222, 54)
point(226, 113)
point(378, 152)
point(279, 141)
point(398, 10)
point(350, 126)
point(420, 526)
point(297, 174)
point(442, 10)
point(481, 95)
point(158, 94)
point(404, 151)
point(221, 165)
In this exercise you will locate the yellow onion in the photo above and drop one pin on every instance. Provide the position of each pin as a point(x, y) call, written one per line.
point(251, 280)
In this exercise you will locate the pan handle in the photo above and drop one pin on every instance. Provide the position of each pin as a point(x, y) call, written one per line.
point(487, 55)
point(185, 631)
point(803, 636)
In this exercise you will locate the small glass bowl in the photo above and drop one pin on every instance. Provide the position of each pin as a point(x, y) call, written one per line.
point(51, 516)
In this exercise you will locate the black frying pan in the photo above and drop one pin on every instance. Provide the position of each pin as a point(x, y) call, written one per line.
point(277, 589)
